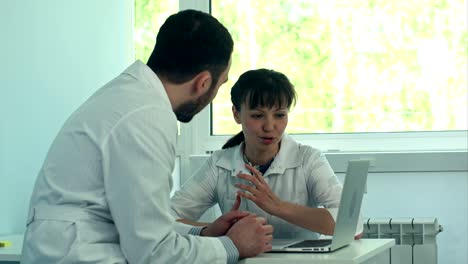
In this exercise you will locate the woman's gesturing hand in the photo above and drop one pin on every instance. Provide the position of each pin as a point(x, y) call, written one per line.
point(258, 192)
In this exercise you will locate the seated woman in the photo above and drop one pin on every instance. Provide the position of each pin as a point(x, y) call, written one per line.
point(291, 185)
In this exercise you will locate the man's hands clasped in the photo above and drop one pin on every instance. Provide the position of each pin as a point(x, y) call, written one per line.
point(249, 233)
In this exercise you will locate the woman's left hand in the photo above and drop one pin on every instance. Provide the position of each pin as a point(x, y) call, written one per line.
point(259, 192)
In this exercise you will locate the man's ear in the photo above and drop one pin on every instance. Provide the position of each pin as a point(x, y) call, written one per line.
point(236, 115)
point(202, 83)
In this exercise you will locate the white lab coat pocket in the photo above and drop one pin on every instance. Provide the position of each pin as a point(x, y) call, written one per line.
point(97, 242)
point(48, 241)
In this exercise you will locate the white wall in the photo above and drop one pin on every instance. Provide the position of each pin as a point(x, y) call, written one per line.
point(53, 55)
point(430, 194)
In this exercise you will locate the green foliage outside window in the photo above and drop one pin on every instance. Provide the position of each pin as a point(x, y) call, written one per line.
point(358, 66)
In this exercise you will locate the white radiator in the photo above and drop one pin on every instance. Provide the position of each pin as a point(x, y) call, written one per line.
point(415, 238)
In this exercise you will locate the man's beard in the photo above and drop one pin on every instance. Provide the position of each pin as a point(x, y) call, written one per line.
point(186, 111)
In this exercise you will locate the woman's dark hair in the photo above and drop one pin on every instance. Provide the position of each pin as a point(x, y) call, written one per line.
point(188, 43)
point(260, 88)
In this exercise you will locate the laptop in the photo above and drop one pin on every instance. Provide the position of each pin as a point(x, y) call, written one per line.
point(346, 221)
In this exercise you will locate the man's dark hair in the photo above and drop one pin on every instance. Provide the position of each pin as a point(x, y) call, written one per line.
point(188, 43)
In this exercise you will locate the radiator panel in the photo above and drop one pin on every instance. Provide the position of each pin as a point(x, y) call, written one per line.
point(415, 238)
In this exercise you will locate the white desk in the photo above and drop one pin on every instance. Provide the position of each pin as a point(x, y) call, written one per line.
point(12, 252)
point(363, 251)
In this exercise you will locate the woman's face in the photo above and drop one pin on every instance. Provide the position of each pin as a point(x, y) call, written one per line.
point(263, 127)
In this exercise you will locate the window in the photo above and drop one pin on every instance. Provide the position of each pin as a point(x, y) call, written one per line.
point(393, 67)
point(358, 66)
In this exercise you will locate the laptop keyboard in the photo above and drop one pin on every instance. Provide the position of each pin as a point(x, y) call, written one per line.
point(311, 243)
